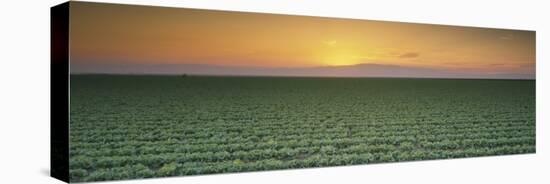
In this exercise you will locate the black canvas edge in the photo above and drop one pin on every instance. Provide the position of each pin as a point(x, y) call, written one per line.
point(59, 92)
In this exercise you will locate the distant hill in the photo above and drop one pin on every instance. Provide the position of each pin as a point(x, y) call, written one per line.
point(359, 70)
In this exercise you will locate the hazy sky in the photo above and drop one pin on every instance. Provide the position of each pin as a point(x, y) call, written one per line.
point(106, 34)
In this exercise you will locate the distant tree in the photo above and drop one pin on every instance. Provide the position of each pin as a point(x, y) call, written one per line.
point(184, 75)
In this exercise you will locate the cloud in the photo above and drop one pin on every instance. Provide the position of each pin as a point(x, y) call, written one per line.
point(528, 65)
point(330, 43)
point(409, 55)
point(507, 37)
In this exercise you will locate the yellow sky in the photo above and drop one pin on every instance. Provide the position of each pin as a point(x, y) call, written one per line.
point(144, 35)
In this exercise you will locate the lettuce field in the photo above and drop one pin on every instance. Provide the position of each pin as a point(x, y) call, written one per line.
point(132, 126)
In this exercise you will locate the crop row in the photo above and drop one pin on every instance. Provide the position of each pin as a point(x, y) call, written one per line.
point(205, 134)
point(291, 153)
point(305, 140)
point(170, 165)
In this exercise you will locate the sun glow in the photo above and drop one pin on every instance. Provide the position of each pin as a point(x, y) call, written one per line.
point(336, 53)
point(340, 60)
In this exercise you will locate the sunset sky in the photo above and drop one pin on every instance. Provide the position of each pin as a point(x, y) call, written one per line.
point(103, 35)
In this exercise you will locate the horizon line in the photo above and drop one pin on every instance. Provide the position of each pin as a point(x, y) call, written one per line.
point(297, 76)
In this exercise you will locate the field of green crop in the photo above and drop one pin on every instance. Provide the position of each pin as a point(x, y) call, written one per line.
point(127, 127)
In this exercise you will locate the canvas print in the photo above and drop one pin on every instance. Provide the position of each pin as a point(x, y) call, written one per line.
point(159, 91)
